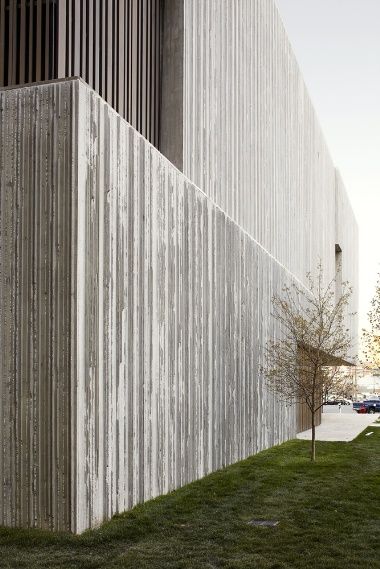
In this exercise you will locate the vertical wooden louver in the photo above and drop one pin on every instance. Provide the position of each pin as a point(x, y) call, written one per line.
point(28, 41)
point(114, 45)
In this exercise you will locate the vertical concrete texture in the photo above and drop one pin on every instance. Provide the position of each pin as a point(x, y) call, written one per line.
point(38, 192)
point(252, 140)
point(173, 306)
point(347, 238)
point(132, 314)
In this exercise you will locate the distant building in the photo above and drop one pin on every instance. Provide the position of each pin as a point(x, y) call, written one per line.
point(138, 259)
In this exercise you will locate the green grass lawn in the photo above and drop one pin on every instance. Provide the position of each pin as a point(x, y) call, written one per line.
point(329, 515)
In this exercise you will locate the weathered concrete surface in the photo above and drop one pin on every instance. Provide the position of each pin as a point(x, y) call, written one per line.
point(252, 140)
point(133, 310)
point(176, 302)
point(37, 179)
point(347, 237)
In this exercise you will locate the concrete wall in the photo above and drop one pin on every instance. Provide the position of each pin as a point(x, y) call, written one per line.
point(38, 189)
point(253, 143)
point(174, 319)
point(347, 237)
point(252, 140)
point(137, 309)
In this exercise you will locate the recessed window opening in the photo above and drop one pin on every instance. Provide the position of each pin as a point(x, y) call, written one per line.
point(338, 272)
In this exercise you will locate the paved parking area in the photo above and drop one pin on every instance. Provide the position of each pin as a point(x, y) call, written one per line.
point(335, 409)
point(340, 426)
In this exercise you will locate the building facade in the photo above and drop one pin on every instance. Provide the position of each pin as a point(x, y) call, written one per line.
point(149, 210)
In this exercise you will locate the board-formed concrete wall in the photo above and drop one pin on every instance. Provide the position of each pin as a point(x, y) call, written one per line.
point(133, 310)
point(347, 238)
point(252, 140)
point(38, 164)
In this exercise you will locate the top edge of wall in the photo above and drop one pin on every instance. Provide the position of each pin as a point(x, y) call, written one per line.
point(42, 83)
point(183, 176)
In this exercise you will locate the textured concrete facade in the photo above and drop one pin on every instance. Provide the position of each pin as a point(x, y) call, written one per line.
point(252, 140)
point(37, 184)
point(139, 341)
point(135, 299)
point(347, 239)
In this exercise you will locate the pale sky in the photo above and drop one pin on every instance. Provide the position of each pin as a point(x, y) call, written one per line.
point(337, 45)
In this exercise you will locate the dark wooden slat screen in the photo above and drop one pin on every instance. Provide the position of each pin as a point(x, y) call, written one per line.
point(114, 45)
point(28, 40)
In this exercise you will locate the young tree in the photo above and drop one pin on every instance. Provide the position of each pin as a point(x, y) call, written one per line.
point(371, 337)
point(303, 364)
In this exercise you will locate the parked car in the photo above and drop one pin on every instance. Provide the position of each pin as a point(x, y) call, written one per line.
point(337, 401)
point(367, 406)
point(359, 407)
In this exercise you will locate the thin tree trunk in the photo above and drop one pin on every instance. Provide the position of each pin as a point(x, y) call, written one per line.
point(313, 436)
point(313, 416)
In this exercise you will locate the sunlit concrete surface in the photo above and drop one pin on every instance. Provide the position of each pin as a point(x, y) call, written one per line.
point(339, 427)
